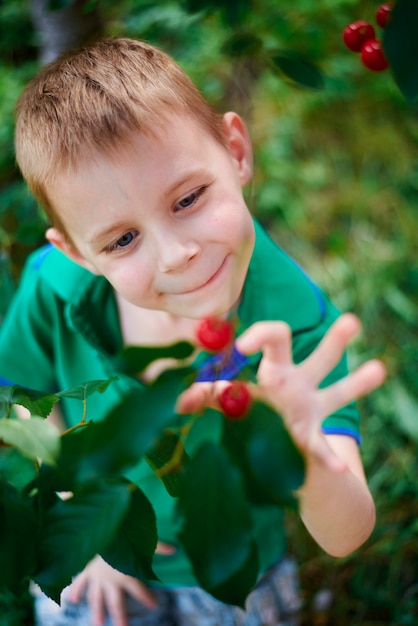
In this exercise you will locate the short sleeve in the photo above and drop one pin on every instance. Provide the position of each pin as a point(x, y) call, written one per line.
point(26, 354)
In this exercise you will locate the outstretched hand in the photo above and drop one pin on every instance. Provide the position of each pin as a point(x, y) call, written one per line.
point(293, 389)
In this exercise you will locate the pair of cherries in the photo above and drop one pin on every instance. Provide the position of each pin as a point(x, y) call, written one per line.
point(217, 335)
point(361, 37)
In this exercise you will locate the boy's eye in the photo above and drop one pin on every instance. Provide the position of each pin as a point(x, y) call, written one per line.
point(189, 200)
point(124, 241)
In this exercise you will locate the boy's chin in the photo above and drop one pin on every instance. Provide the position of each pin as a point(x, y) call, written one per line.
point(212, 309)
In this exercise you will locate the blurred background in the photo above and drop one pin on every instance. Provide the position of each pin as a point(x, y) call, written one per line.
point(336, 182)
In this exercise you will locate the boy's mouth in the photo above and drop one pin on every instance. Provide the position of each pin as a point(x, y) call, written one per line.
point(209, 281)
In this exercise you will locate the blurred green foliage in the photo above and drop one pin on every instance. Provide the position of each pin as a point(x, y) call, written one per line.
point(336, 182)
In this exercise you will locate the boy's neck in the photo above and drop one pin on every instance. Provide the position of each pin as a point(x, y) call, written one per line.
point(145, 327)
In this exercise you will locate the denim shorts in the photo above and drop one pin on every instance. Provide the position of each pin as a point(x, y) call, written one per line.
point(275, 601)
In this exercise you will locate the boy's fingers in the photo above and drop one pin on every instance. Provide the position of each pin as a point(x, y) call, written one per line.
point(274, 339)
point(362, 381)
point(194, 398)
point(115, 601)
point(140, 592)
point(330, 350)
point(76, 590)
point(164, 548)
point(199, 396)
point(95, 599)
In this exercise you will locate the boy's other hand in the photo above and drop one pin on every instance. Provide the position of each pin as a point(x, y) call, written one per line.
point(105, 587)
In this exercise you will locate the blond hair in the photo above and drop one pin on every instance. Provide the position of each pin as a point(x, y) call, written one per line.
point(90, 101)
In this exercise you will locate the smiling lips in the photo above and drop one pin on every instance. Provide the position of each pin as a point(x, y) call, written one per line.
point(208, 282)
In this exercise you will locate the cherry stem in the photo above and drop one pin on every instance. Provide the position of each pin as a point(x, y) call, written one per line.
point(178, 450)
point(76, 427)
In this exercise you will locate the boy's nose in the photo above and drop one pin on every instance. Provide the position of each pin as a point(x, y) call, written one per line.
point(175, 254)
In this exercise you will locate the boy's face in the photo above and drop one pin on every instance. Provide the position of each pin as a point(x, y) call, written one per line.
point(166, 223)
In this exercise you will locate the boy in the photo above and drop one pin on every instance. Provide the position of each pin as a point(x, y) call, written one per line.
point(142, 182)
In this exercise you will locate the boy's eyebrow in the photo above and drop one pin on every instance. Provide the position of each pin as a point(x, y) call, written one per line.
point(105, 233)
point(184, 179)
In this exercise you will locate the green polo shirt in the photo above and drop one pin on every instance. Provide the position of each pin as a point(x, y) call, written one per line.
point(62, 329)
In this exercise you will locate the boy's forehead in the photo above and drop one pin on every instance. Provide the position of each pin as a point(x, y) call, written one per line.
point(179, 150)
point(173, 130)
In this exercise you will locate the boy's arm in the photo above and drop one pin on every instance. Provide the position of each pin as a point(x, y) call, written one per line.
point(337, 507)
point(335, 502)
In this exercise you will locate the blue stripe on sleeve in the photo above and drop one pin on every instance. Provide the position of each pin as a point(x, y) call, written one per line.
point(4, 382)
point(341, 430)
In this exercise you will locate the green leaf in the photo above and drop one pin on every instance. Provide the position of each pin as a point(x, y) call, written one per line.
point(407, 408)
point(83, 391)
point(133, 548)
point(167, 458)
point(298, 68)
point(15, 468)
point(272, 466)
point(133, 360)
point(35, 438)
point(111, 446)
point(401, 304)
point(59, 5)
point(233, 11)
point(37, 402)
point(217, 527)
point(400, 44)
point(243, 44)
point(75, 530)
point(18, 538)
point(235, 589)
point(58, 477)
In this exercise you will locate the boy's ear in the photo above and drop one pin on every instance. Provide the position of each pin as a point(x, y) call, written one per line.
point(239, 144)
point(58, 240)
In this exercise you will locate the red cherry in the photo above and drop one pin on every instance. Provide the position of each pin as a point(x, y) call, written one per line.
point(356, 34)
point(215, 333)
point(373, 57)
point(383, 14)
point(235, 400)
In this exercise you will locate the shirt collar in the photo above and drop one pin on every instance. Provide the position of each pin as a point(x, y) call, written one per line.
point(276, 288)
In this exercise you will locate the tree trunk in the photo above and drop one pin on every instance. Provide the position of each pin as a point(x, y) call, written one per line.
point(63, 29)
